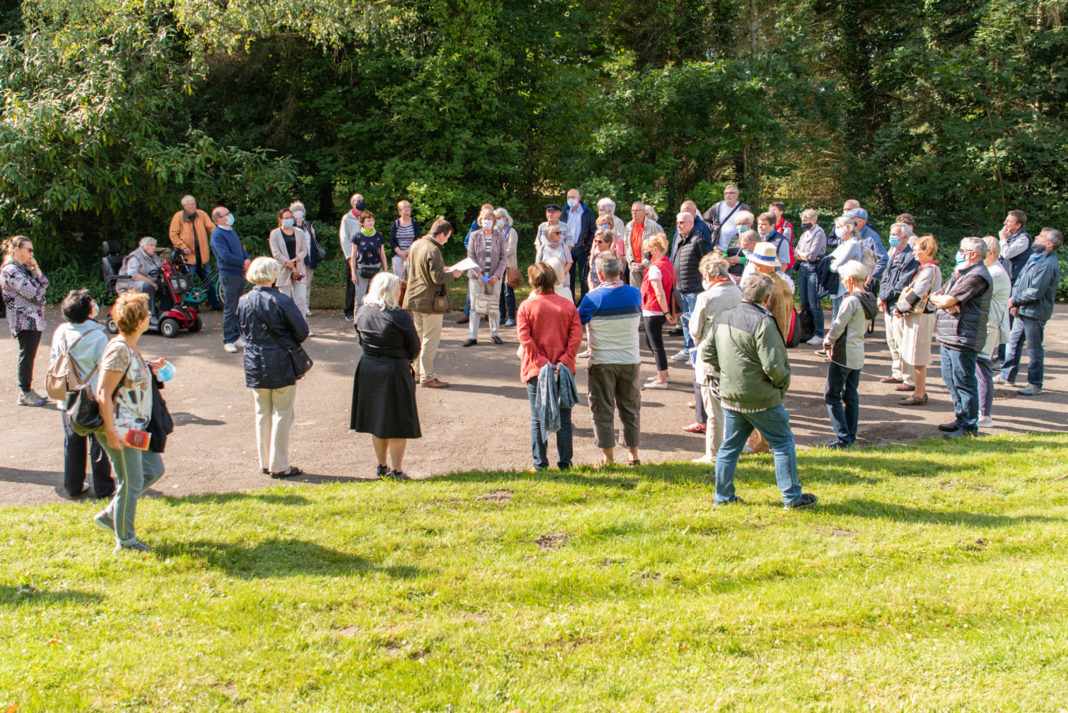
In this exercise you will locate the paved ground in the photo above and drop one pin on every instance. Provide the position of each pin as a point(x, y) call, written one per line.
point(482, 422)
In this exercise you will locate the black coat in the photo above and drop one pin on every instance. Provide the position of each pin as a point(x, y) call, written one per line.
point(267, 363)
point(383, 388)
point(688, 253)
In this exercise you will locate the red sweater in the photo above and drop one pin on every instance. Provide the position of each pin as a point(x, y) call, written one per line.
point(549, 333)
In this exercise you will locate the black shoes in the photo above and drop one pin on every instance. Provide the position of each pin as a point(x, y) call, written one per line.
point(961, 433)
point(470, 343)
point(949, 427)
point(497, 340)
point(806, 500)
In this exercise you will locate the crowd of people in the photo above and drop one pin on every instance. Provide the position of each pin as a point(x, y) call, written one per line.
point(726, 277)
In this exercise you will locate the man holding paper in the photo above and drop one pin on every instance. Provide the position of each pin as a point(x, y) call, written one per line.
point(427, 299)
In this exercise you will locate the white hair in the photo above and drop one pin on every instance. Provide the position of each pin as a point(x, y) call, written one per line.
point(843, 221)
point(186, 198)
point(146, 241)
point(295, 206)
point(744, 216)
point(606, 205)
point(683, 215)
point(505, 215)
point(810, 214)
point(263, 271)
point(383, 292)
point(853, 269)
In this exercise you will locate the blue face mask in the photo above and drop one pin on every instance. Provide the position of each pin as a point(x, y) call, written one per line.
point(166, 372)
point(230, 219)
point(287, 222)
point(960, 258)
point(894, 241)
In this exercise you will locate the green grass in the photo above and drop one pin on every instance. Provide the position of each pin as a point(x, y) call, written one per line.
point(929, 578)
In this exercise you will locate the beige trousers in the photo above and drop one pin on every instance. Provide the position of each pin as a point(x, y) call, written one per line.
point(428, 326)
point(274, 416)
point(894, 334)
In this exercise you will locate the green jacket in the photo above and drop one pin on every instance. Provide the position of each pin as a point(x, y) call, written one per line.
point(748, 357)
point(426, 275)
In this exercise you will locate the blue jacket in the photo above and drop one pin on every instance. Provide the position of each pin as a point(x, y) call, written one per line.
point(583, 242)
point(873, 241)
point(1036, 287)
point(899, 274)
point(267, 363)
point(229, 252)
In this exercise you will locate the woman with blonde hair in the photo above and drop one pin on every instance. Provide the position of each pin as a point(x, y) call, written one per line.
point(657, 284)
point(272, 325)
point(124, 393)
point(289, 246)
point(383, 388)
point(487, 247)
point(912, 307)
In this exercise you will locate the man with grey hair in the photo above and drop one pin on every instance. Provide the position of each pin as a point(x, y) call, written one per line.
point(750, 374)
point(136, 272)
point(960, 327)
point(720, 218)
point(233, 260)
point(690, 247)
point(640, 227)
point(611, 313)
point(190, 233)
point(1031, 303)
point(349, 229)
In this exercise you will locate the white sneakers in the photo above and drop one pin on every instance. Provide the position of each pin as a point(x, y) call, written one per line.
point(655, 385)
point(815, 341)
point(681, 355)
point(230, 347)
point(240, 343)
point(986, 422)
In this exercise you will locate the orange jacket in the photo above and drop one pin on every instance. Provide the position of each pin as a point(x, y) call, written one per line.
point(181, 233)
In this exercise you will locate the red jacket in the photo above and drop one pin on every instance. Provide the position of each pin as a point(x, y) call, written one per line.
point(549, 333)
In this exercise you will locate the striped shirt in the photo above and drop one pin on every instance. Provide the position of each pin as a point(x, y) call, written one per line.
point(612, 314)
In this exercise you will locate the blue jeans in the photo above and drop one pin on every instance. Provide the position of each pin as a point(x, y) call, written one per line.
point(1025, 332)
point(808, 283)
point(539, 442)
point(958, 371)
point(233, 286)
point(689, 299)
point(507, 304)
point(774, 425)
point(841, 388)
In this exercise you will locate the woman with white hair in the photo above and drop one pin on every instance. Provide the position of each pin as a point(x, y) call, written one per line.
point(383, 388)
point(272, 325)
point(844, 346)
point(312, 260)
point(136, 271)
point(848, 248)
point(606, 208)
point(511, 239)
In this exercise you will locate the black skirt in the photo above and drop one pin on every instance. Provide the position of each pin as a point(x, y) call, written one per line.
point(383, 398)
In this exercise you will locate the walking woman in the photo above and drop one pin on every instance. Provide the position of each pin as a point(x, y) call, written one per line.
point(913, 308)
point(549, 338)
point(289, 246)
point(657, 284)
point(23, 286)
point(487, 247)
point(83, 340)
point(383, 388)
point(124, 392)
point(272, 325)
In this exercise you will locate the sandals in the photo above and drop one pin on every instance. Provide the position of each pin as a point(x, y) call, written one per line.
point(382, 471)
point(293, 471)
point(913, 401)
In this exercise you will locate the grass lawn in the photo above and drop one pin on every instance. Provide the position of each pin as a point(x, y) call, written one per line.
point(929, 578)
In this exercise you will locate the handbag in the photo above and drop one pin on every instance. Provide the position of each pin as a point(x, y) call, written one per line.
point(485, 304)
point(82, 408)
point(921, 305)
point(367, 272)
point(441, 302)
point(302, 363)
point(513, 277)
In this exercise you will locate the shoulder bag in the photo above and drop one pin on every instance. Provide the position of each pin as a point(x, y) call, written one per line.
point(82, 407)
point(485, 304)
point(513, 277)
point(302, 363)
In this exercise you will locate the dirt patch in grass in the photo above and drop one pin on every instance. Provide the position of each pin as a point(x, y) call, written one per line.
point(552, 541)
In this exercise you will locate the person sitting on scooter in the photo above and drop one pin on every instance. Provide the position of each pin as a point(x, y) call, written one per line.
point(136, 272)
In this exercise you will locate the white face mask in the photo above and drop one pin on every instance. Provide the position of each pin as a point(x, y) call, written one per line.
point(841, 231)
point(572, 203)
point(487, 224)
point(298, 215)
point(500, 223)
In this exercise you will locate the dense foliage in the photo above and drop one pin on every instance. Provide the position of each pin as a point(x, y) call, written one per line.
point(112, 109)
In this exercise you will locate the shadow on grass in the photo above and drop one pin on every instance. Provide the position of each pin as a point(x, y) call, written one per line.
point(280, 558)
point(906, 513)
point(224, 498)
point(22, 595)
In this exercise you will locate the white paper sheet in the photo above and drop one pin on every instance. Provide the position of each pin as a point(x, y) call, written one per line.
point(465, 264)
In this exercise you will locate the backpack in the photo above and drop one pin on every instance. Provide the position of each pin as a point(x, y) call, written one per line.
point(793, 334)
point(63, 374)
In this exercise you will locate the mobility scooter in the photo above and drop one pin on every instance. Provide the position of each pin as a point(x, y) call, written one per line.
point(170, 314)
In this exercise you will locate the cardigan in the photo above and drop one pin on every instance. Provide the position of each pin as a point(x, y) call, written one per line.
point(549, 333)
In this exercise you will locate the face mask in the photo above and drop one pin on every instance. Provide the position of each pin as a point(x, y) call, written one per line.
point(604, 227)
point(841, 231)
point(959, 257)
point(368, 229)
point(359, 205)
point(500, 224)
point(894, 241)
point(230, 219)
point(572, 203)
point(299, 215)
point(1038, 248)
point(287, 222)
point(764, 236)
point(487, 224)
point(806, 226)
point(166, 372)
